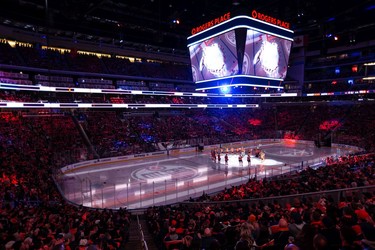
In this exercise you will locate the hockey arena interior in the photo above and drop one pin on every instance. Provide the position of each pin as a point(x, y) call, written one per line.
point(178, 125)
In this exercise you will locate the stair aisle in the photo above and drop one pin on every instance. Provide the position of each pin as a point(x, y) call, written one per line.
point(135, 238)
point(147, 236)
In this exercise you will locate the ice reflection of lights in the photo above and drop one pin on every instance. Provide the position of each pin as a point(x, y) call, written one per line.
point(99, 202)
point(122, 186)
point(268, 162)
point(233, 162)
point(203, 178)
point(264, 173)
point(86, 194)
point(139, 193)
point(159, 179)
point(202, 170)
point(86, 204)
point(180, 183)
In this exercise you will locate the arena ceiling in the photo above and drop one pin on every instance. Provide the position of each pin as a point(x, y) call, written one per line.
point(161, 24)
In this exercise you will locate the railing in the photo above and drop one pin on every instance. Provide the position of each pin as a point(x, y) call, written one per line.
point(358, 192)
point(143, 242)
point(148, 189)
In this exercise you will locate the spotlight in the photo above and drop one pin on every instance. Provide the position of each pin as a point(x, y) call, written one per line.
point(224, 89)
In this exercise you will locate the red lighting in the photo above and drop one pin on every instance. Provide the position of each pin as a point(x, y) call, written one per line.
point(329, 125)
point(290, 138)
point(240, 131)
point(254, 122)
point(355, 68)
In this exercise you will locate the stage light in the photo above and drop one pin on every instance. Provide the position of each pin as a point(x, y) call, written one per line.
point(224, 89)
point(355, 68)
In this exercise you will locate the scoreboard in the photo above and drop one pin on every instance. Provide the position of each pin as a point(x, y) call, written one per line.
point(240, 51)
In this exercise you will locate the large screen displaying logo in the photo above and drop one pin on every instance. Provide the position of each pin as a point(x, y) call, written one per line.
point(214, 58)
point(266, 55)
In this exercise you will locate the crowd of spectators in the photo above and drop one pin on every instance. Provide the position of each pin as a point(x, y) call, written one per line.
point(338, 123)
point(355, 171)
point(305, 223)
point(33, 214)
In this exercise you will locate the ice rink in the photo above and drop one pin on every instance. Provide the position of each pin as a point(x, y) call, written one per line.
point(164, 179)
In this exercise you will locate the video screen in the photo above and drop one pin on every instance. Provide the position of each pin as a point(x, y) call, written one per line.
point(266, 55)
point(214, 58)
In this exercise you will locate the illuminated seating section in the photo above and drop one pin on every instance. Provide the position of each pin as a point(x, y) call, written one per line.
point(293, 120)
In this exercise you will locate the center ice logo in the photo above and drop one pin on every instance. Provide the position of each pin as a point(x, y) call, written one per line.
point(162, 173)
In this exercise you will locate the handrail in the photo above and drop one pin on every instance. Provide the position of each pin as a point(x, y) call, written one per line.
point(143, 242)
